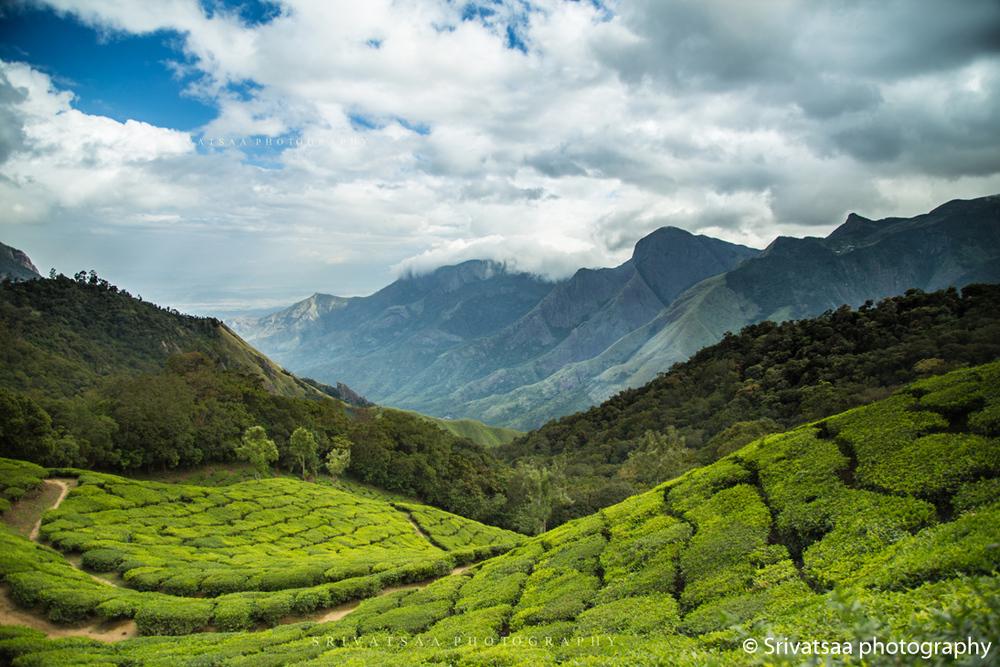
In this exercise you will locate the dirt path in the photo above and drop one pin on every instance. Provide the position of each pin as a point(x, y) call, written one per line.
point(64, 486)
point(50, 497)
point(11, 614)
point(419, 530)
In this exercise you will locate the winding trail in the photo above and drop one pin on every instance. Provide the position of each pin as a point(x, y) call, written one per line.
point(64, 486)
point(11, 614)
point(342, 610)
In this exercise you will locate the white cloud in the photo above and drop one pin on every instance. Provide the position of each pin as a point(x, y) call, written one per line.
point(740, 121)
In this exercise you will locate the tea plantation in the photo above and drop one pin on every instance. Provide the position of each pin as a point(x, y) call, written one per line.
point(233, 557)
point(881, 520)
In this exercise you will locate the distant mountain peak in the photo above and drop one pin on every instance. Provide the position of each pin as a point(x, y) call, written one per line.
point(792, 245)
point(659, 240)
point(16, 265)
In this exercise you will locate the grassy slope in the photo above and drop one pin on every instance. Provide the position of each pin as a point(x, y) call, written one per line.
point(59, 336)
point(884, 519)
point(471, 429)
point(233, 556)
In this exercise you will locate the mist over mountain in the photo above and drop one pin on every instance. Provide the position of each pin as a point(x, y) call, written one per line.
point(468, 332)
point(476, 340)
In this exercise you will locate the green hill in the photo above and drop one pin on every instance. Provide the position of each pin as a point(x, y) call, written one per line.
point(62, 335)
point(471, 429)
point(765, 379)
point(880, 521)
point(181, 557)
point(93, 377)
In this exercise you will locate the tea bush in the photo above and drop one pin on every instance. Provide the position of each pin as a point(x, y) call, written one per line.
point(783, 538)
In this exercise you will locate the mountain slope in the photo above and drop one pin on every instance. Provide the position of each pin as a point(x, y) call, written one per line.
point(61, 335)
point(379, 342)
point(568, 322)
point(92, 377)
point(882, 520)
point(15, 265)
point(954, 245)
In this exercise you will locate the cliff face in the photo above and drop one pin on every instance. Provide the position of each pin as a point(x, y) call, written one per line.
point(16, 265)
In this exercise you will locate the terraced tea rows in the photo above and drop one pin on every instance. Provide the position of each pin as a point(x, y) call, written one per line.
point(815, 533)
point(257, 552)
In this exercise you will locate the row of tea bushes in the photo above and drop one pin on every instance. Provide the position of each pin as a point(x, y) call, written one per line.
point(16, 479)
point(270, 535)
point(781, 539)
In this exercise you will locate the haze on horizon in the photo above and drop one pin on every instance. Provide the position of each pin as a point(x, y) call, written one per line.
point(218, 156)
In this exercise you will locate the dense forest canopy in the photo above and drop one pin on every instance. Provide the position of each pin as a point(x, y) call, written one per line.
point(764, 379)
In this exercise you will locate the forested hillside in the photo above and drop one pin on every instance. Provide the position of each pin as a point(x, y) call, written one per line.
point(764, 379)
point(879, 521)
point(93, 377)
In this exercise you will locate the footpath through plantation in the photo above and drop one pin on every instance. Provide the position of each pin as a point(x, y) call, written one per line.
point(883, 521)
point(180, 558)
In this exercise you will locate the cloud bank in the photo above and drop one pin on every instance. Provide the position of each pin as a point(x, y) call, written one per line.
point(549, 135)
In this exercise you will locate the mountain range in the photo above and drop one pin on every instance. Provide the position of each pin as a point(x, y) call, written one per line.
point(482, 341)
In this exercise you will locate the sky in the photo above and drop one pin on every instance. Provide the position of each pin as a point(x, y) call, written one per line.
point(220, 156)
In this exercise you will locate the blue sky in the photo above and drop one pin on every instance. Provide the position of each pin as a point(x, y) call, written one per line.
point(113, 74)
point(218, 156)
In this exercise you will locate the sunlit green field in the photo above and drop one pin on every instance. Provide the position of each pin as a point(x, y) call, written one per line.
point(884, 519)
point(187, 557)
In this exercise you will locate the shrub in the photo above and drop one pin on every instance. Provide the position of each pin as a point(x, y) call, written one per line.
point(233, 613)
point(273, 607)
point(865, 524)
point(700, 484)
point(551, 595)
point(482, 625)
point(69, 605)
point(651, 614)
point(933, 464)
point(409, 618)
point(483, 591)
point(173, 617)
point(184, 584)
point(308, 601)
point(102, 560)
point(145, 578)
point(120, 606)
point(731, 525)
point(291, 577)
point(976, 494)
point(220, 583)
point(967, 545)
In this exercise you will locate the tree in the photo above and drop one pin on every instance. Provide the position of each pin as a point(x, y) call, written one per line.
point(155, 426)
point(25, 428)
point(659, 457)
point(339, 456)
point(302, 448)
point(257, 449)
point(533, 491)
